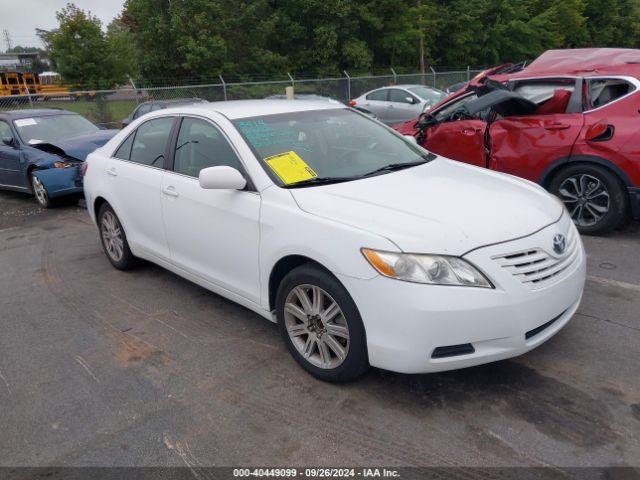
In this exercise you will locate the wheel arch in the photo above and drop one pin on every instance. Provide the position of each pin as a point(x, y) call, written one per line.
point(97, 204)
point(30, 169)
point(282, 267)
point(554, 168)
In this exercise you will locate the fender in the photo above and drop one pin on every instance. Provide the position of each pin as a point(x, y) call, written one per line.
point(60, 181)
point(548, 173)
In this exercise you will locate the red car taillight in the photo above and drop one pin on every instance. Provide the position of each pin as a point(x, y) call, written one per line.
point(352, 103)
point(599, 132)
point(85, 167)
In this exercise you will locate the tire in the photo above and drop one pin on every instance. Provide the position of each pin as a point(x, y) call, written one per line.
point(114, 240)
point(594, 196)
point(332, 357)
point(40, 192)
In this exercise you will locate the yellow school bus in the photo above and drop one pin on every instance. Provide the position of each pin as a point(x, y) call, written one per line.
point(47, 84)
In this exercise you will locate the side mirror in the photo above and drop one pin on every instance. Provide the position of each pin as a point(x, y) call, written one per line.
point(221, 178)
point(8, 141)
point(411, 139)
point(410, 100)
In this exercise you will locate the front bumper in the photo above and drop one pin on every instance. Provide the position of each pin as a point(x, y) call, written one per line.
point(405, 322)
point(61, 181)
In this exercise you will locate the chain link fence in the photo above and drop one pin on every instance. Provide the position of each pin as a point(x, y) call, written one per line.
point(107, 108)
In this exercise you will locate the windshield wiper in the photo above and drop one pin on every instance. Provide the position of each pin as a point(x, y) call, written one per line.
point(319, 181)
point(394, 167)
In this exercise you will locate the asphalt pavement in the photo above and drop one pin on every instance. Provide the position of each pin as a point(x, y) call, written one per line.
point(141, 368)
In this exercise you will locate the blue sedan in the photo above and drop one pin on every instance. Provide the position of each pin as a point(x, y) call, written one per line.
point(42, 151)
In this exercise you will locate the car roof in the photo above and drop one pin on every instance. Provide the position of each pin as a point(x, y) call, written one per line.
point(412, 85)
point(34, 112)
point(236, 109)
point(174, 101)
point(582, 62)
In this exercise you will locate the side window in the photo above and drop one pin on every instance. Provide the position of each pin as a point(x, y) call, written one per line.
point(400, 96)
point(601, 91)
point(200, 145)
point(124, 151)
point(150, 142)
point(542, 91)
point(142, 110)
point(448, 109)
point(379, 95)
point(5, 132)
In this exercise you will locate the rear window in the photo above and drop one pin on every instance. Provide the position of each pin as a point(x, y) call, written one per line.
point(602, 91)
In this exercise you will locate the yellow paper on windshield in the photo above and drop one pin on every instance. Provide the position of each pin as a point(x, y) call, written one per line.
point(290, 168)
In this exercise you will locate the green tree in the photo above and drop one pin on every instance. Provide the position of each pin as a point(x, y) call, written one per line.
point(21, 49)
point(78, 47)
point(121, 52)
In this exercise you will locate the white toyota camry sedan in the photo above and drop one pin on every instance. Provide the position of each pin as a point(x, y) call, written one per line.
point(363, 247)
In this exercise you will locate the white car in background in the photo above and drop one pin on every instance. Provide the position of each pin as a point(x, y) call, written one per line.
point(365, 248)
point(399, 103)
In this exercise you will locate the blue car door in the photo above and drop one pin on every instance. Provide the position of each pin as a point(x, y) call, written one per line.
point(10, 170)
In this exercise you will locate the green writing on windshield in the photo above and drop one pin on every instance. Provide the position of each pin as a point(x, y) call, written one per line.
point(260, 135)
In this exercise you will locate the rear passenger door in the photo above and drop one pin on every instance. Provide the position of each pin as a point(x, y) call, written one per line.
point(135, 176)
point(212, 234)
point(526, 145)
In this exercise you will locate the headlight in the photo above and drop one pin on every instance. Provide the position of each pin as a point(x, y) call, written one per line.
point(64, 164)
point(432, 269)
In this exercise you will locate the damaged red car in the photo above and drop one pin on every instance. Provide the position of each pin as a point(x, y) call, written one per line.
point(570, 122)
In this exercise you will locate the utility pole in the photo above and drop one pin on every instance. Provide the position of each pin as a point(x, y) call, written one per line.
point(421, 46)
point(7, 39)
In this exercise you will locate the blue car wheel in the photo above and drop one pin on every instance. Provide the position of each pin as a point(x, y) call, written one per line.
point(40, 192)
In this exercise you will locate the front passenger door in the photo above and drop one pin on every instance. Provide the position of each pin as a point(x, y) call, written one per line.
point(402, 106)
point(10, 171)
point(213, 234)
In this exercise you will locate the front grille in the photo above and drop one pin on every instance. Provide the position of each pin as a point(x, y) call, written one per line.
point(537, 330)
point(453, 350)
point(535, 267)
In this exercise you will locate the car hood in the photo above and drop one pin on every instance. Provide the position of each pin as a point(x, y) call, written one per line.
point(443, 207)
point(78, 147)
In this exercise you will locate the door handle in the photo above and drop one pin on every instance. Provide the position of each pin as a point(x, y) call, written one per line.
point(112, 172)
point(170, 192)
point(556, 126)
point(470, 131)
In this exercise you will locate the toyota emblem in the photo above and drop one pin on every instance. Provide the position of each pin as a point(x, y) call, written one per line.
point(559, 243)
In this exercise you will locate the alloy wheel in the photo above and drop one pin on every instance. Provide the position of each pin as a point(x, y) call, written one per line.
point(586, 197)
point(39, 191)
point(112, 236)
point(316, 326)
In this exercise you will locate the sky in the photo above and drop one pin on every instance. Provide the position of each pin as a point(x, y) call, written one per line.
point(22, 17)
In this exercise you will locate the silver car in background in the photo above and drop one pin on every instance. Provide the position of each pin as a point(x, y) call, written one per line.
point(398, 103)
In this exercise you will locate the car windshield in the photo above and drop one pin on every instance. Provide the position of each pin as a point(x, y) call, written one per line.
point(326, 145)
point(429, 94)
point(52, 128)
